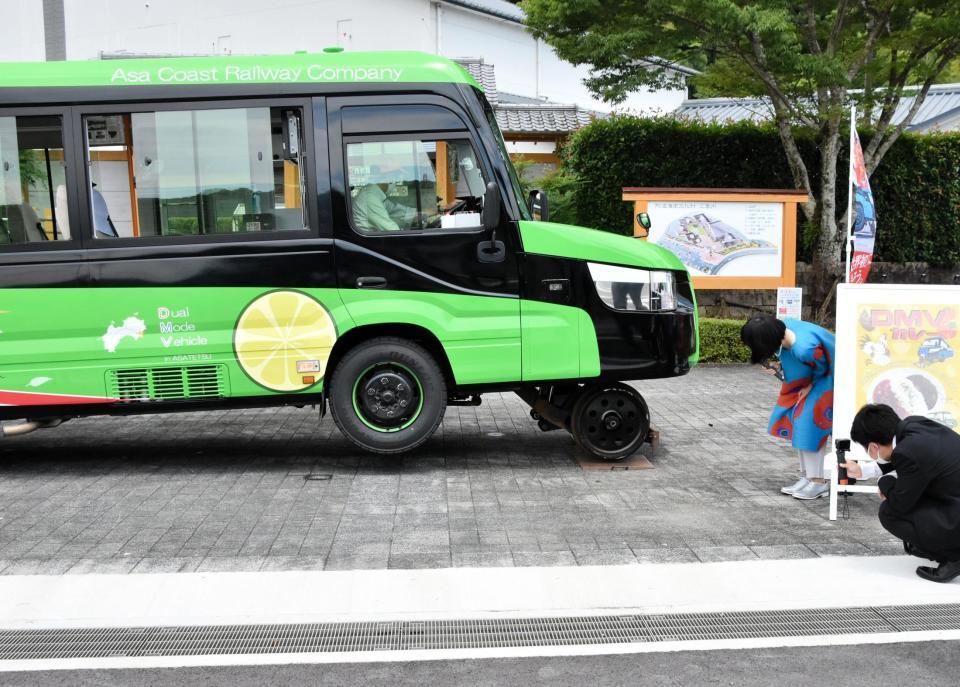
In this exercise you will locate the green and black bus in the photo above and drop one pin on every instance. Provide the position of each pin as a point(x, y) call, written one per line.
point(341, 230)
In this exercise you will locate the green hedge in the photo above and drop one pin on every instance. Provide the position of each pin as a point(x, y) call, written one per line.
point(720, 341)
point(916, 187)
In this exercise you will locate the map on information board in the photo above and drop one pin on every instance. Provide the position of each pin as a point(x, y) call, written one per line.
point(719, 238)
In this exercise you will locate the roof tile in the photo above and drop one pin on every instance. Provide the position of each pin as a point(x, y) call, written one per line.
point(941, 99)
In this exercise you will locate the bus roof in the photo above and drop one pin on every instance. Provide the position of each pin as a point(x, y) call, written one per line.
point(325, 67)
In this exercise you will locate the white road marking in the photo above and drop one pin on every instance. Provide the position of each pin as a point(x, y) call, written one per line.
point(168, 599)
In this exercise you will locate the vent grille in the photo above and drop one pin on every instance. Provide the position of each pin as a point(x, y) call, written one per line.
point(167, 383)
point(468, 634)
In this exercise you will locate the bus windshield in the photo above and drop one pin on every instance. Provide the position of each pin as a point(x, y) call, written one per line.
point(502, 148)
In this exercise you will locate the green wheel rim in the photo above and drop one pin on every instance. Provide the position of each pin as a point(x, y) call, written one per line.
point(358, 410)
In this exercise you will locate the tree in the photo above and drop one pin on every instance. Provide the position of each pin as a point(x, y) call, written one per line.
point(804, 55)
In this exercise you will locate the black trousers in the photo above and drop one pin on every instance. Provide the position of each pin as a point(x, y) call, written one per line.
point(915, 544)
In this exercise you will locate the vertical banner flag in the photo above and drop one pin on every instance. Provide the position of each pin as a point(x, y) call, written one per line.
point(861, 212)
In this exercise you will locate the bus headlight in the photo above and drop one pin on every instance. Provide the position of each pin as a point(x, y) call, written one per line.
point(627, 288)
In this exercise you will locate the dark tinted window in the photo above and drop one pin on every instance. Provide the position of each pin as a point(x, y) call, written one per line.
point(196, 172)
point(373, 119)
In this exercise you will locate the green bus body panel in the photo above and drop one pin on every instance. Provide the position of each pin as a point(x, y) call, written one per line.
point(64, 344)
point(568, 241)
point(695, 358)
point(65, 341)
point(559, 342)
point(480, 334)
point(490, 339)
point(342, 67)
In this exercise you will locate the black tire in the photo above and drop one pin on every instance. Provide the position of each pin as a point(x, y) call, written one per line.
point(610, 421)
point(387, 395)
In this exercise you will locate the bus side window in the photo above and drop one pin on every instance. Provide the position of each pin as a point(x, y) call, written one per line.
point(196, 172)
point(404, 185)
point(33, 207)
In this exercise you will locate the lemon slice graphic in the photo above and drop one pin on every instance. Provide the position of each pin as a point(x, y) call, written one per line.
point(277, 331)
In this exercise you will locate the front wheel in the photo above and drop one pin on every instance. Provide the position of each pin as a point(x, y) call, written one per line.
point(610, 421)
point(387, 395)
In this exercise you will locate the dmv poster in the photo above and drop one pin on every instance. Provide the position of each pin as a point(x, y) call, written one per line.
point(720, 238)
point(897, 344)
point(907, 359)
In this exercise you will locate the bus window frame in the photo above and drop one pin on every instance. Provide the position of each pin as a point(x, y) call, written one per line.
point(407, 137)
point(68, 134)
point(308, 173)
point(339, 167)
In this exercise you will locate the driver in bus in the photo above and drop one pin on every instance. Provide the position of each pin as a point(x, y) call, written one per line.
point(373, 210)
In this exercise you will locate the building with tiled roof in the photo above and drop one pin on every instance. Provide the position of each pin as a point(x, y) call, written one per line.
point(532, 127)
point(940, 110)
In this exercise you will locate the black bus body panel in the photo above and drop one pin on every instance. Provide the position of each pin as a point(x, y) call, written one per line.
point(632, 345)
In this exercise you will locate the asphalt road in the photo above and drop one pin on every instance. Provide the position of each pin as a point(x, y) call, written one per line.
point(931, 663)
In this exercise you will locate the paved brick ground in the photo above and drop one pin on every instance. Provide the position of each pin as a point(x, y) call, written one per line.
point(227, 491)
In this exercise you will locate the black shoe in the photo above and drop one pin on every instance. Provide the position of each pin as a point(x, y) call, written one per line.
point(945, 572)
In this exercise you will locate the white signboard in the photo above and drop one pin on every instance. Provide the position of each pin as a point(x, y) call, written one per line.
point(899, 345)
point(789, 302)
point(720, 238)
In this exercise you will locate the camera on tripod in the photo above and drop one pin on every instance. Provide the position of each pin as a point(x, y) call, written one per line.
point(843, 448)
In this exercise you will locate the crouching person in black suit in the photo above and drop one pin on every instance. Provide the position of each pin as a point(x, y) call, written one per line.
point(918, 463)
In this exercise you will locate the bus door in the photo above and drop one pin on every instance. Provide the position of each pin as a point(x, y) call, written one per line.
point(408, 184)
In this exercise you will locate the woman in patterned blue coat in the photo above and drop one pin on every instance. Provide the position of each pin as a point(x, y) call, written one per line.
point(804, 410)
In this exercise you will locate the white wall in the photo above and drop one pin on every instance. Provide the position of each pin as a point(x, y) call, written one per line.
point(284, 26)
point(524, 68)
point(501, 43)
point(521, 147)
point(245, 27)
point(22, 30)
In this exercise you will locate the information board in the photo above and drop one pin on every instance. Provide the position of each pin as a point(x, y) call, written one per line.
point(727, 238)
point(720, 239)
point(790, 303)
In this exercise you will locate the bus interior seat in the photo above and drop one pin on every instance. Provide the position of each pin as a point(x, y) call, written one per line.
point(23, 225)
point(102, 223)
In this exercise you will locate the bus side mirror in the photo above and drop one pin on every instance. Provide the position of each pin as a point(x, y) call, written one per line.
point(491, 208)
point(539, 205)
point(492, 250)
point(643, 219)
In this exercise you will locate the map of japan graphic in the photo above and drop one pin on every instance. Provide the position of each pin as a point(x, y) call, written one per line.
point(707, 244)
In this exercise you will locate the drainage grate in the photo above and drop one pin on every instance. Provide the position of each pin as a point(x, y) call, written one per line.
point(468, 634)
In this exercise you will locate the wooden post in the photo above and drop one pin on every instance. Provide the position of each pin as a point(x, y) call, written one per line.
point(443, 174)
point(291, 184)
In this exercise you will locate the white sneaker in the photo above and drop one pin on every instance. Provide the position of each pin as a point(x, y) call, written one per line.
point(813, 490)
point(791, 489)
